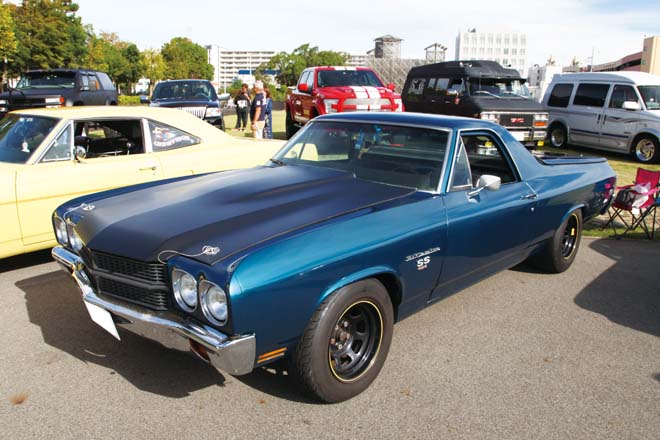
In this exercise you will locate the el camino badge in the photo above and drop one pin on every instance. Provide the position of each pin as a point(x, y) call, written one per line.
point(423, 258)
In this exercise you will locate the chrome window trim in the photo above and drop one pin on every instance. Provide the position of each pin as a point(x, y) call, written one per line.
point(68, 125)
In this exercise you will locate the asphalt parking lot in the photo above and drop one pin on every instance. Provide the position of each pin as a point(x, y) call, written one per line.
point(522, 355)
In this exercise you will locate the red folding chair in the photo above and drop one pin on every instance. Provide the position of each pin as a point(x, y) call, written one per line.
point(639, 205)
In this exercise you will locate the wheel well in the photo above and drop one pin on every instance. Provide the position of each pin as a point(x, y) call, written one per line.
point(393, 287)
point(77, 103)
point(555, 124)
point(641, 135)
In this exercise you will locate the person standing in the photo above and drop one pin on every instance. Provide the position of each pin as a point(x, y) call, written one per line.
point(257, 110)
point(242, 102)
point(268, 128)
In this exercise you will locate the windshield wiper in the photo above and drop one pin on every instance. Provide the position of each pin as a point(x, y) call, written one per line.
point(277, 162)
point(486, 93)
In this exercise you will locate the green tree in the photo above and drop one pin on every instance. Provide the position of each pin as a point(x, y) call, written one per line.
point(185, 59)
point(290, 65)
point(8, 42)
point(132, 67)
point(153, 66)
point(50, 35)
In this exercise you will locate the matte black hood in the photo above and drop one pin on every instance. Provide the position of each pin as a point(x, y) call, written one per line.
point(508, 104)
point(231, 210)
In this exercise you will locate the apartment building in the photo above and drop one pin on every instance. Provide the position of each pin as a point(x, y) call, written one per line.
point(507, 48)
point(231, 64)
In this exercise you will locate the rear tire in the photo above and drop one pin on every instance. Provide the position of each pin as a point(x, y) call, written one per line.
point(645, 149)
point(345, 343)
point(290, 127)
point(558, 136)
point(560, 251)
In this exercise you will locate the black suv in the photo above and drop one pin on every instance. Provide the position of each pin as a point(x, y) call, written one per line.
point(194, 96)
point(58, 88)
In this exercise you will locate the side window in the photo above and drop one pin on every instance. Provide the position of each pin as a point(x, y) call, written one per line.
point(456, 85)
point(60, 148)
point(461, 175)
point(484, 155)
point(106, 82)
point(85, 82)
point(431, 86)
point(310, 81)
point(592, 95)
point(113, 137)
point(560, 95)
point(93, 82)
point(622, 94)
point(415, 89)
point(441, 86)
point(165, 137)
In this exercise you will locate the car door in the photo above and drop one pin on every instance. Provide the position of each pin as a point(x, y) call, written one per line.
point(489, 230)
point(56, 178)
point(619, 125)
point(588, 106)
point(299, 97)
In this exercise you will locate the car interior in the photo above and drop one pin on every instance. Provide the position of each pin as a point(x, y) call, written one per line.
point(102, 138)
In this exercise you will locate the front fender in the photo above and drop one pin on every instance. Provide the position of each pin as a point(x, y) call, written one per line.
point(369, 272)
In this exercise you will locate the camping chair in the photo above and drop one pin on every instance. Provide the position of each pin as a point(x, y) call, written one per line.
point(640, 200)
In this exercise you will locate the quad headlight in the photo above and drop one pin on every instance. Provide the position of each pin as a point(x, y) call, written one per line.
point(214, 302)
point(75, 240)
point(60, 231)
point(185, 289)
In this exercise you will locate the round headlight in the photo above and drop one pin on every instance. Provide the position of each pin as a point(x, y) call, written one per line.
point(75, 240)
point(214, 302)
point(185, 289)
point(60, 231)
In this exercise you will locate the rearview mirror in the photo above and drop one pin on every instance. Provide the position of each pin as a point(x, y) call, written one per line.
point(303, 87)
point(391, 86)
point(486, 181)
point(631, 105)
point(79, 153)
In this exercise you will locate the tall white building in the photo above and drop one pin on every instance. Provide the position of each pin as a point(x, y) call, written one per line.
point(229, 65)
point(507, 48)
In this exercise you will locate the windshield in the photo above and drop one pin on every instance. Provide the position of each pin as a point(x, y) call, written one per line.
point(651, 96)
point(185, 90)
point(47, 80)
point(337, 78)
point(499, 88)
point(404, 156)
point(21, 135)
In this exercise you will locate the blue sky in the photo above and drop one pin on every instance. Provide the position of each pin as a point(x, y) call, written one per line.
point(561, 28)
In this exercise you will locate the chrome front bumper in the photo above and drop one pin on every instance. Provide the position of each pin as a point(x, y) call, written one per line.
point(234, 355)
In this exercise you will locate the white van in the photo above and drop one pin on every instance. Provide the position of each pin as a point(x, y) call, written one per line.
point(615, 111)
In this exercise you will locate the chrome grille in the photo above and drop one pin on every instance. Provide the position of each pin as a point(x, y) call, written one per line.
point(196, 111)
point(372, 104)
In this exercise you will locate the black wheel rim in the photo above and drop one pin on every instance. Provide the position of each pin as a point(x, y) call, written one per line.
point(570, 239)
point(355, 341)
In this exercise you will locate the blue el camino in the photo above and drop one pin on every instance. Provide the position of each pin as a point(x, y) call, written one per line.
point(361, 220)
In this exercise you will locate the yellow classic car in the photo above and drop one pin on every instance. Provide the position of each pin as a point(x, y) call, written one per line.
point(48, 156)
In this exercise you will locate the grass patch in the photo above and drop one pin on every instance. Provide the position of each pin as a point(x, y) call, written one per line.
point(278, 125)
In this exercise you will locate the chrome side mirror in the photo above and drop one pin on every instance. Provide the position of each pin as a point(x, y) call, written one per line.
point(631, 106)
point(79, 153)
point(491, 183)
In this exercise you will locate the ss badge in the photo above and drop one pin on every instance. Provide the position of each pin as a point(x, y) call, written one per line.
point(423, 263)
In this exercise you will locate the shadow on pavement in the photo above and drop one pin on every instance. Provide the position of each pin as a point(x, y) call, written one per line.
point(25, 260)
point(53, 303)
point(628, 293)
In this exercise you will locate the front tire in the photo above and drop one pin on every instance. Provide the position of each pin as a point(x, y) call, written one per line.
point(345, 343)
point(560, 251)
point(558, 136)
point(646, 149)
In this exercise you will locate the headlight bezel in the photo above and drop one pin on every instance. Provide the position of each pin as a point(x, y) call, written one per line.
point(75, 241)
point(212, 112)
point(179, 296)
point(61, 231)
point(206, 289)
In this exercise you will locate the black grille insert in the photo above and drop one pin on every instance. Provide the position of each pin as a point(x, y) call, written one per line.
point(155, 299)
point(153, 273)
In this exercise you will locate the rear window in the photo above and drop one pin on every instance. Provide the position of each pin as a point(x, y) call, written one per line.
point(591, 95)
point(106, 82)
point(560, 95)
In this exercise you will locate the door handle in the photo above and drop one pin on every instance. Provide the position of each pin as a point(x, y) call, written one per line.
point(530, 196)
point(151, 168)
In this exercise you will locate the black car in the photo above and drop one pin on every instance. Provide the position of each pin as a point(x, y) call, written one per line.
point(59, 88)
point(477, 89)
point(195, 96)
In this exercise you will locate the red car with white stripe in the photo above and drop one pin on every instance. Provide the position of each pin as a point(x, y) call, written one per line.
point(333, 89)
